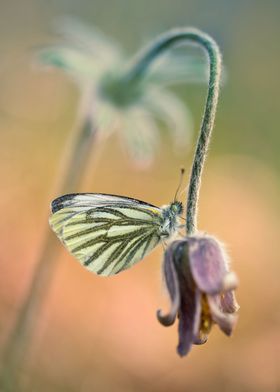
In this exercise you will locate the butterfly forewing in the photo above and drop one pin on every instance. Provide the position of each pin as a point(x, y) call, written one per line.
point(106, 233)
point(89, 200)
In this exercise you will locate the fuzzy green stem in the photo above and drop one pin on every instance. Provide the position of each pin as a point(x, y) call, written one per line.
point(20, 338)
point(143, 61)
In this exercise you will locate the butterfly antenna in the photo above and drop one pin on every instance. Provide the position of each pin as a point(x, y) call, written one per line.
point(182, 172)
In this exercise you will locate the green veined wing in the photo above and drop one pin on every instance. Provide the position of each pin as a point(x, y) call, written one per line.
point(106, 233)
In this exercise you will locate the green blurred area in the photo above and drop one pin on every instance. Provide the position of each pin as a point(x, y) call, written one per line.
point(99, 334)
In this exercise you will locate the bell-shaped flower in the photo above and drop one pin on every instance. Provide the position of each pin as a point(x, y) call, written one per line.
point(201, 289)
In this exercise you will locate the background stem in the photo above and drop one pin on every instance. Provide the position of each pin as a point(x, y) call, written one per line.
point(138, 68)
point(20, 338)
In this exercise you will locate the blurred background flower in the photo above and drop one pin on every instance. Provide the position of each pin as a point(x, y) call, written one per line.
point(98, 65)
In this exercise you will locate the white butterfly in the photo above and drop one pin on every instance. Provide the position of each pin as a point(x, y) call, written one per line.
point(109, 233)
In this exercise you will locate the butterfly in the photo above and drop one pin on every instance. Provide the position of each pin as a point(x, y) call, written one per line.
point(110, 233)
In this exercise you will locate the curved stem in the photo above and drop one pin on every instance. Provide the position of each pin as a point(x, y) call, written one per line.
point(142, 62)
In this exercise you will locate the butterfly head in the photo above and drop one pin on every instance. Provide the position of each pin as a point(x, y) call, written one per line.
point(176, 208)
point(171, 214)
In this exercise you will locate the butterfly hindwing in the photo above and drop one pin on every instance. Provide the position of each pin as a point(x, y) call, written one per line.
point(106, 233)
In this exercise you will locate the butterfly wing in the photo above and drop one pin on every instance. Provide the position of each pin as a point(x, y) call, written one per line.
point(106, 233)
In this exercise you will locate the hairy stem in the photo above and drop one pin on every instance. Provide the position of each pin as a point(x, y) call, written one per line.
point(19, 340)
point(138, 68)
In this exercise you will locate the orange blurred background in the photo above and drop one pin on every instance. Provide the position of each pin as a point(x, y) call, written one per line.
point(101, 334)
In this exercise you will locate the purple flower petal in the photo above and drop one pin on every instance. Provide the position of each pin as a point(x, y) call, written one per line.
point(172, 284)
point(225, 321)
point(208, 264)
point(190, 304)
point(189, 313)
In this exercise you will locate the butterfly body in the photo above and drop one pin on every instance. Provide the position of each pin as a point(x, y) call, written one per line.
point(109, 233)
point(170, 214)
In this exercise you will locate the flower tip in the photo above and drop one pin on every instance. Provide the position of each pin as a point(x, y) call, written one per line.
point(232, 324)
point(200, 340)
point(165, 319)
point(183, 350)
point(230, 282)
